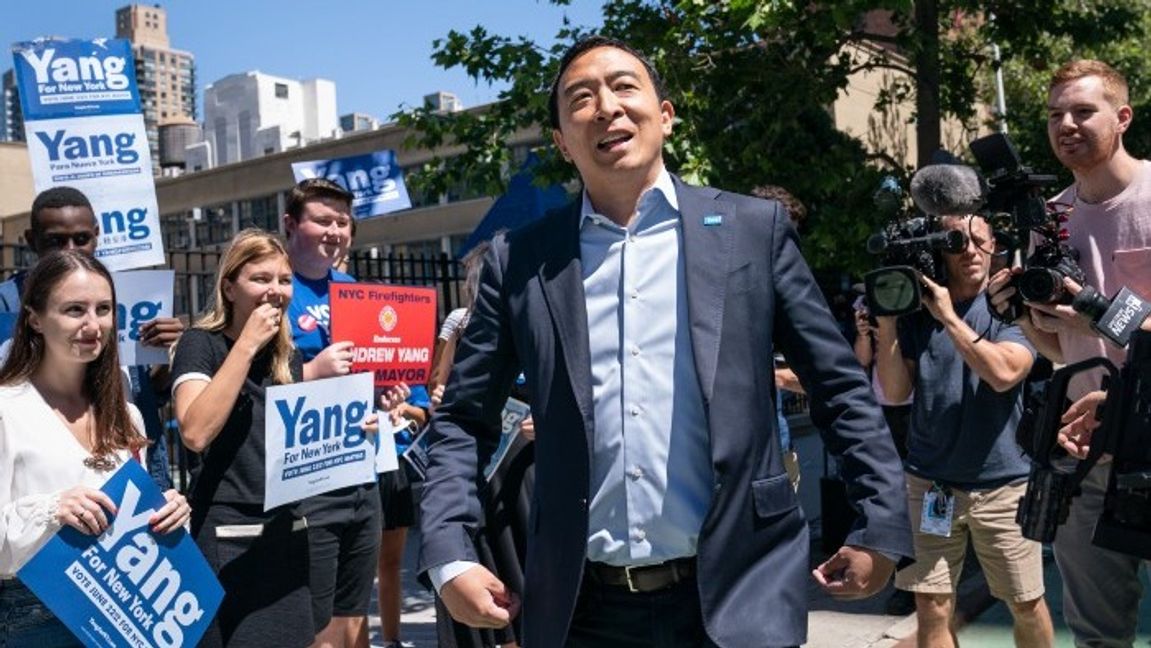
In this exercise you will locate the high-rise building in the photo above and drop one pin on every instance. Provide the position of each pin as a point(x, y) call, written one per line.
point(11, 116)
point(166, 77)
point(252, 114)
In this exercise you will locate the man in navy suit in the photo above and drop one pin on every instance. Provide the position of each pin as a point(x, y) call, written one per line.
point(644, 318)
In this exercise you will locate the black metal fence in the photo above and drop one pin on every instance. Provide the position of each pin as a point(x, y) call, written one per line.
point(196, 276)
point(195, 282)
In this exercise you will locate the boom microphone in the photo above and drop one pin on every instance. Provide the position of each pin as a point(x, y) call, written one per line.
point(948, 190)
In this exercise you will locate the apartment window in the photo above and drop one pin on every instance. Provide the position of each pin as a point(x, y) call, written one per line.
point(281, 91)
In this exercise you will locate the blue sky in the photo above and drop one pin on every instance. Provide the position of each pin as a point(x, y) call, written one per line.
point(377, 51)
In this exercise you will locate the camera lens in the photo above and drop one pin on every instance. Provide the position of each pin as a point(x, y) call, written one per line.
point(1041, 285)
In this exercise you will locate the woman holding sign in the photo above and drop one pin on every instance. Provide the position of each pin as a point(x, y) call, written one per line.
point(220, 369)
point(65, 427)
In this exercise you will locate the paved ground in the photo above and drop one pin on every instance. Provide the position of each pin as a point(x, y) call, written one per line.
point(992, 628)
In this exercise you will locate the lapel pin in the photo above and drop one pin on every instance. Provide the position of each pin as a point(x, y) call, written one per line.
point(712, 220)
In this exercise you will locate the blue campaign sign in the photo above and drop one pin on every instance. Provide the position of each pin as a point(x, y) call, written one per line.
point(375, 181)
point(127, 587)
point(75, 78)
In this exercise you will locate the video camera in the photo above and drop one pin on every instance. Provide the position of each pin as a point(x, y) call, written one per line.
point(1009, 195)
point(1125, 434)
point(908, 245)
point(1016, 209)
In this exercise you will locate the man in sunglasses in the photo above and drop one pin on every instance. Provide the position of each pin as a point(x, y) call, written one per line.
point(62, 219)
point(965, 473)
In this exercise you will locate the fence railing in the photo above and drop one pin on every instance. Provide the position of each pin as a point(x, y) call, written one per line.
point(195, 280)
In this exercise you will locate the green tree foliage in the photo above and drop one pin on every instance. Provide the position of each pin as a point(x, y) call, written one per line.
point(753, 81)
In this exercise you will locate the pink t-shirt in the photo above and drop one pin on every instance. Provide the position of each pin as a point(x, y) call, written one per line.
point(1114, 243)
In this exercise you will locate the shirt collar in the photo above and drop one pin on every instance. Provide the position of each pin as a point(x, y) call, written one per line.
point(663, 184)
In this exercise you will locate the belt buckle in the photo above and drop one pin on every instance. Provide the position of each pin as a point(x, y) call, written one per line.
point(630, 585)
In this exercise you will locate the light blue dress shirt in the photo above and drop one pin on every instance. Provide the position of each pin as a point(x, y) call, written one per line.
point(651, 476)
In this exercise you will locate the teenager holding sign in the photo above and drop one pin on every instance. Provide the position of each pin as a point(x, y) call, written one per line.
point(343, 525)
point(221, 367)
point(65, 427)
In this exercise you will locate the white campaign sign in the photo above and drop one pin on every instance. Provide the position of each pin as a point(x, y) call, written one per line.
point(386, 459)
point(141, 296)
point(106, 158)
point(314, 438)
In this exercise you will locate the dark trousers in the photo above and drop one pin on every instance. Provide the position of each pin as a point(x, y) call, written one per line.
point(611, 616)
point(898, 421)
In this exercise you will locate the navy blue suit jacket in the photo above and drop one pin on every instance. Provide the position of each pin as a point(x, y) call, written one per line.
point(749, 291)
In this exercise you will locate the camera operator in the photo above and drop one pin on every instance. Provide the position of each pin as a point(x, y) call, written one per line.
point(965, 473)
point(1087, 116)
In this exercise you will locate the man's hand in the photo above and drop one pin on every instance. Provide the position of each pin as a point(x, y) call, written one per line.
point(1000, 292)
point(1079, 423)
point(1053, 318)
point(937, 300)
point(478, 599)
point(161, 332)
point(854, 573)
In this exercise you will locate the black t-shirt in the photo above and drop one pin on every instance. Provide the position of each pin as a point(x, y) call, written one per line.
point(231, 469)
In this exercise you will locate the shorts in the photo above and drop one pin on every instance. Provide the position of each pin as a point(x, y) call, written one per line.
point(398, 498)
point(343, 542)
point(261, 560)
point(1012, 564)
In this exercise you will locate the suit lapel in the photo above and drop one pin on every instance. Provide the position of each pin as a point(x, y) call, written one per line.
point(561, 275)
point(708, 226)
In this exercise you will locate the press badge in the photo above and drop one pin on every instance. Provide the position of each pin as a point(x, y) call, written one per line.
point(938, 509)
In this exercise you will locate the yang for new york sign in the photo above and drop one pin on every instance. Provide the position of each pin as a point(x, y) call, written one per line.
point(84, 129)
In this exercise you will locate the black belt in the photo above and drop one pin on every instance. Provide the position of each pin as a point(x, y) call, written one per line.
point(645, 578)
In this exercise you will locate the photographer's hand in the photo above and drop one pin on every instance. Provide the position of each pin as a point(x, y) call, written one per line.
point(937, 300)
point(1079, 422)
point(1038, 327)
point(1001, 292)
point(1055, 317)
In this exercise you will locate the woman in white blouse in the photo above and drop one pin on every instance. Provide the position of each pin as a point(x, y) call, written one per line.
point(65, 427)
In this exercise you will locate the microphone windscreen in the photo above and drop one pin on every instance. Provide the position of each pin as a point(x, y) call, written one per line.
point(947, 190)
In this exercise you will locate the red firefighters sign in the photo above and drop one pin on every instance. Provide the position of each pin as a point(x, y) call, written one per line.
point(392, 329)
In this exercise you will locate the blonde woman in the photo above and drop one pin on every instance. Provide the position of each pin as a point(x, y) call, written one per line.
point(65, 427)
point(220, 370)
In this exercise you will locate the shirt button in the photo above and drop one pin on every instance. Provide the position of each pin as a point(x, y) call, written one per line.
point(635, 294)
point(639, 535)
point(636, 472)
point(635, 411)
point(635, 350)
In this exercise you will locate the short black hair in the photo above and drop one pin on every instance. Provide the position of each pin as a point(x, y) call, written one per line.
point(590, 43)
point(315, 189)
point(56, 198)
point(795, 209)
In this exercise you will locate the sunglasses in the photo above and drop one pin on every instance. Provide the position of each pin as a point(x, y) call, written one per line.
point(60, 241)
